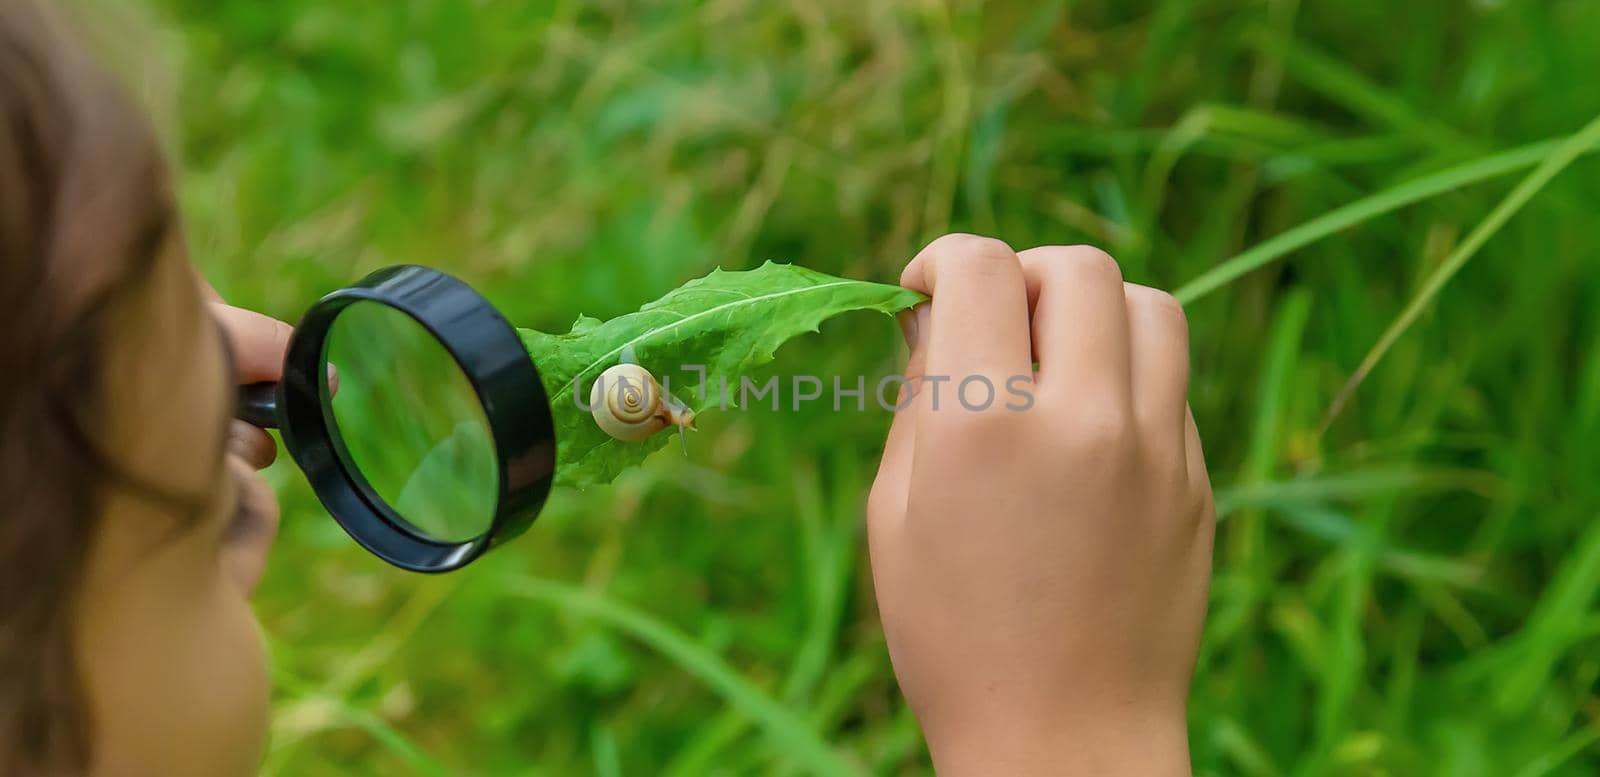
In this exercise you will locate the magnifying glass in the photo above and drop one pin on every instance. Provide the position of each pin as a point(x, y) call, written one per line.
point(431, 438)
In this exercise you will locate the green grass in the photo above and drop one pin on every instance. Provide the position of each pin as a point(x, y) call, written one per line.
point(1409, 589)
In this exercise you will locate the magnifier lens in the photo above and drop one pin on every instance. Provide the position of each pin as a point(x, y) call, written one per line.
point(409, 423)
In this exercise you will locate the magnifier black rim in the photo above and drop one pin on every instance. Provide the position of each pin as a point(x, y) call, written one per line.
point(490, 354)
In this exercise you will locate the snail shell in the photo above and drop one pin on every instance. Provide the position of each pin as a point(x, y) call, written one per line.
point(628, 404)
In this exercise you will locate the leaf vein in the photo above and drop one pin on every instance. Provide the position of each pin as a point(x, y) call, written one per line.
point(649, 333)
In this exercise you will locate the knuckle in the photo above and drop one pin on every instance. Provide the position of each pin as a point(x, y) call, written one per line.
point(1158, 302)
point(254, 330)
point(1104, 427)
point(963, 247)
point(988, 428)
point(1160, 315)
point(278, 334)
point(1088, 261)
point(1156, 299)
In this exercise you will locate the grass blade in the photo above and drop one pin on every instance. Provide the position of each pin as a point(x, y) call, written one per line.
point(341, 710)
point(1554, 627)
point(1580, 740)
point(603, 746)
point(1353, 487)
point(1247, 541)
point(1558, 160)
point(784, 728)
point(1343, 84)
point(1366, 208)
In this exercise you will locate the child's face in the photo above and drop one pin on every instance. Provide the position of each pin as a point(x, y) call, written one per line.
point(169, 653)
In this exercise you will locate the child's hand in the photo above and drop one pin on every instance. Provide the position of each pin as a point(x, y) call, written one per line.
point(1042, 573)
point(258, 344)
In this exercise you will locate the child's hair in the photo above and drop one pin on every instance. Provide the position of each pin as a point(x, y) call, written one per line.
point(85, 210)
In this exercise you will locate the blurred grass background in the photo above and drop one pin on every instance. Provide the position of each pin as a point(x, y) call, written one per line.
point(1409, 589)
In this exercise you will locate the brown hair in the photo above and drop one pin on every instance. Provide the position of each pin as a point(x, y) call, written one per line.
point(85, 208)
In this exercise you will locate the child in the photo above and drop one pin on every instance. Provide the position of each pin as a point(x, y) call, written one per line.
point(1041, 573)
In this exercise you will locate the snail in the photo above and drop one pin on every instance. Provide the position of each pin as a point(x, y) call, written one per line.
point(633, 406)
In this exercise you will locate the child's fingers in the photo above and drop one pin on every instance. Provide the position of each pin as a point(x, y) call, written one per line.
point(244, 553)
point(253, 445)
point(1080, 324)
point(1194, 455)
point(890, 487)
point(258, 342)
point(979, 310)
point(1159, 337)
point(1050, 280)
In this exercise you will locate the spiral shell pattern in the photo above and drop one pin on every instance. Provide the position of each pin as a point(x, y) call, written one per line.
point(626, 403)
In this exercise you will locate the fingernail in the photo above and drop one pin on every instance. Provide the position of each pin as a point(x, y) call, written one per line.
point(913, 323)
point(333, 380)
point(908, 326)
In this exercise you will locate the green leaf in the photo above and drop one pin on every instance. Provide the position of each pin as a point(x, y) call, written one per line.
point(727, 322)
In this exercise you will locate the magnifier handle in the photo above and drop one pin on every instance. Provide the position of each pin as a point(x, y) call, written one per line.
point(258, 404)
